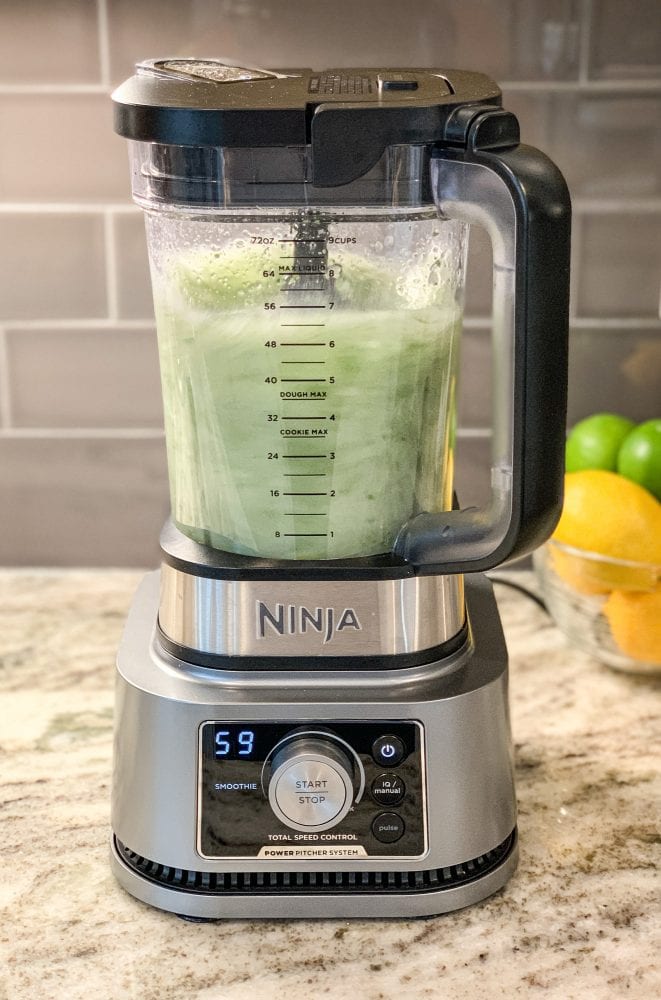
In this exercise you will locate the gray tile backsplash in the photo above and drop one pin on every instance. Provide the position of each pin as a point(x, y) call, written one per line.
point(509, 39)
point(607, 144)
point(132, 267)
point(619, 268)
point(625, 40)
point(614, 369)
point(52, 266)
point(82, 501)
point(49, 41)
point(62, 148)
point(81, 450)
point(99, 378)
point(474, 396)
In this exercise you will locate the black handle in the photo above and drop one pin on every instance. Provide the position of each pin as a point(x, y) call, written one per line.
point(523, 512)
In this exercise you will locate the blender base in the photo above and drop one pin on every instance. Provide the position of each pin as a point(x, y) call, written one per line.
point(462, 767)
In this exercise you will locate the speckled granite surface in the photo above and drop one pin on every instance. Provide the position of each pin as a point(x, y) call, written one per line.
point(580, 919)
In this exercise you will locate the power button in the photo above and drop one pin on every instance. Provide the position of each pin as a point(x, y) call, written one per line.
point(388, 750)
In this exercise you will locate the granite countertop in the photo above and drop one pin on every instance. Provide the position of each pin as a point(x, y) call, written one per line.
point(580, 918)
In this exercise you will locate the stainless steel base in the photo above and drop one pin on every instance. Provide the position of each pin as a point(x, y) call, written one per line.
point(470, 808)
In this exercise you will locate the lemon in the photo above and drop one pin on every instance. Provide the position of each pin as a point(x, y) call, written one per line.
point(605, 513)
point(635, 624)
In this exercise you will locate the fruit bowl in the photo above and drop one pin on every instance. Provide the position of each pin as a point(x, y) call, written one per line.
point(608, 607)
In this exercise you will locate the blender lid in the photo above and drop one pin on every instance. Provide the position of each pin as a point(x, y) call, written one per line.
point(348, 116)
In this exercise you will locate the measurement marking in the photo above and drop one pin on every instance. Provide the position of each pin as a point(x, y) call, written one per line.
point(301, 343)
point(307, 534)
point(301, 307)
point(301, 513)
point(305, 418)
point(304, 475)
point(306, 289)
point(302, 379)
point(305, 494)
point(305, 256)
point(305, 456)
point(310, 239)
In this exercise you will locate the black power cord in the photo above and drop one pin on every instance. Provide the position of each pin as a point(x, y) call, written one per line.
point(506, 582)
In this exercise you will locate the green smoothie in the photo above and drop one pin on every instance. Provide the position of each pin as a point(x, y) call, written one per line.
point(302, 440)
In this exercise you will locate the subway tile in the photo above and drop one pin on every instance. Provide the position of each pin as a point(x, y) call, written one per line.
point(82, 502)
point(52, 266)
point(615, 370)
point(509, 39)
point(625, 39)
point(479, 273)
point(133, 282)
point(84, 378)
point(619, 266)
point(62, 148)
point(49, 41)
point(474, 396)
point(472, 477)
point(607, 145)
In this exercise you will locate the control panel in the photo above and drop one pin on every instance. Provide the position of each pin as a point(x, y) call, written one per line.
point(311, 791)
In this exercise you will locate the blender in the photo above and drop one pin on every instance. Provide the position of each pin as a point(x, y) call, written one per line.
point(311, 710)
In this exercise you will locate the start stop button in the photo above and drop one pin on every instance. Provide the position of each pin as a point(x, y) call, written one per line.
point(311, 786)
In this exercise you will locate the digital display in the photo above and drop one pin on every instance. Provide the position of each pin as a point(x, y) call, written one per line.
point(233, 742)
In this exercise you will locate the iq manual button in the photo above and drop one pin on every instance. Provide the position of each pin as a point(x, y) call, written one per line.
point(388, 827)
point(388, 750)
point(388, 789)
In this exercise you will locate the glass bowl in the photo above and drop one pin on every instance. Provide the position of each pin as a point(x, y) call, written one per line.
point(607, 607)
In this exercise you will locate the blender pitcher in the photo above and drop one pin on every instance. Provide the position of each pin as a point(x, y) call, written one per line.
point(309, 299)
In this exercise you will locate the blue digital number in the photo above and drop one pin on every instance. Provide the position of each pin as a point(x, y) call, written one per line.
point(246, 740)
point(223, 746)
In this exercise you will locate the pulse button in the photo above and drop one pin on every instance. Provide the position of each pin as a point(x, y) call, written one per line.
point(388, 750)
point(388, 828)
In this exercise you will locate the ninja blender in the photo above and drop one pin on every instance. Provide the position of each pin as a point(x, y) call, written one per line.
point(311, 711)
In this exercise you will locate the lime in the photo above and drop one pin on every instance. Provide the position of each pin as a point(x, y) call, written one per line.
point(639, 457)
point(594, 443)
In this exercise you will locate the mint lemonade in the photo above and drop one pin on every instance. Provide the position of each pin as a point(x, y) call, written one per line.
point(308, 393)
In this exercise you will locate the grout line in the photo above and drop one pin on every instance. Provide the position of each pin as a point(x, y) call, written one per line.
point(104, 41)
point(623, 86)
point(585, 39)
point(105, 323)
point(614, 206)
point(83, 433)
point(55, 89)
point(109, 243)
point(477, 322)
point(66, 208)
point(474, 432)
point(615, 323)
point(5, 383)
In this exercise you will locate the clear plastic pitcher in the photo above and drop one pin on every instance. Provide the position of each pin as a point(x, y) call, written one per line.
point(308, 361)
point(307, 236)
